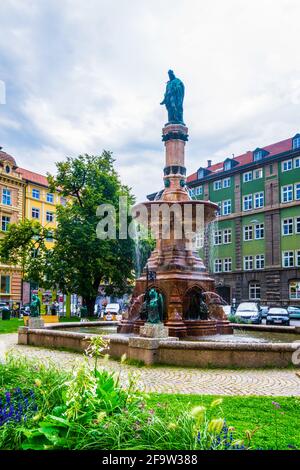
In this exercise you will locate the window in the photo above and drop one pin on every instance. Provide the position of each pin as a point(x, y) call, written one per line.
point(257, 173)
point(297, 224)
point(227, 166)
point(287, 193)
point(259, 231)
point(288, 259)
point(49, 216)
point(217, 185)
point(49, 237)
point(34, 252)
point(6, 197)
point(296, 142)
point(192, 194)
point(200, 173)
point(287, 227)
point(226, 182)
point(248, 263)
point(248, 233)
point(198, 190)
point(5, 285)
point(287, 165)
point(297, 191)
point(220, 208)
point(259, 200)
point(254, 290)
point(227, 235)
point(218, 237)
point(50, 198)
point(218, 266)
point(199, 240)
point(36, 193)
point(63, 200)
point(257, 155)
point(247, 176)
point(259, 261)
point(5, 223)
point(227, 207)
point(248, 202)
point(294, 288)
point(227, 265)
point(7, 169)
point(297, 161)
point(297, 257)
point(35, 213)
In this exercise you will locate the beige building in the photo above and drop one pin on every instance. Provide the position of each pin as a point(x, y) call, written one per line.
point(12, 191)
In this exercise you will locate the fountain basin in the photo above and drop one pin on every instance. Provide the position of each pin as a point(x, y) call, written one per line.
point(245, 349)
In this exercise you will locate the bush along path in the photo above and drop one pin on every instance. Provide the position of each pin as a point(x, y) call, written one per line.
point(89, 409)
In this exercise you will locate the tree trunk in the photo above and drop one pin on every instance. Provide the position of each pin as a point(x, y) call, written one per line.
point(90, 304)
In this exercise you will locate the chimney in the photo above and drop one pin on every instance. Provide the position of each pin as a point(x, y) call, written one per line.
point(208, 163)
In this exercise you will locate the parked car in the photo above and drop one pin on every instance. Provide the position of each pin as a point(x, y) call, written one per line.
point(294, 312)
point(114, 309)
point(278, 315)
point(249, 312)
point(2, 306)
point(264, 311)
point(25, 309)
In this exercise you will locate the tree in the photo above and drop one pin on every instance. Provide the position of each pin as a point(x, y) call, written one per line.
point(24, 246)
point(79, 261)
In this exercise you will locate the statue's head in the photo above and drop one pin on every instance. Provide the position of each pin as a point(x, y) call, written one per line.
point(171, 74)
point(152, 293)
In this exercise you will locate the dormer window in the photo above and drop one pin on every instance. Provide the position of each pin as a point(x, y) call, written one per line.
point(257, 155)
point(296, 142)
point(7, 169)
point(200, 173)
point(227, 165)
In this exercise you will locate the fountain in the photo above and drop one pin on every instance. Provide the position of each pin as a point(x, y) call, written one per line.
point(175, 296)
point(174, 270)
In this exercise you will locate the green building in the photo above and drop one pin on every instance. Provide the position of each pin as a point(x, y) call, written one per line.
point(253, 248)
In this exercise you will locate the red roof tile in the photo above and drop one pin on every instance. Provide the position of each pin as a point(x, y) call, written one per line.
point(247, 157)
point(33, 177)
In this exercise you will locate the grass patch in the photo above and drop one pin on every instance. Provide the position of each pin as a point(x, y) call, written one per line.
point(10, 326)
point(69, 319)
point(275, 427)
point(90, 410)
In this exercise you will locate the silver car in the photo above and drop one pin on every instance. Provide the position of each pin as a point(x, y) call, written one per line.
point(249, 312)
point(278, 316)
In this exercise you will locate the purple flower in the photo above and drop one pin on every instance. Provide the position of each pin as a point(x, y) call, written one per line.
point(277, 405)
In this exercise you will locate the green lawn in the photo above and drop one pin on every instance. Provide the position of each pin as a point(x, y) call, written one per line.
point(275, 427)
point(72, 414)
point(10, 326)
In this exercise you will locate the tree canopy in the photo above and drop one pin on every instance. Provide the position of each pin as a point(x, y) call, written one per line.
point(79, 261)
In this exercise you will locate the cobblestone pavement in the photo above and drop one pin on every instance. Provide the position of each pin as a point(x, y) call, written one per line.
point(167, 379)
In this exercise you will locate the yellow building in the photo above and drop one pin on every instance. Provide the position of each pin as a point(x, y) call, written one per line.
point(23, 194)
point(40, 203)
point(12, 187)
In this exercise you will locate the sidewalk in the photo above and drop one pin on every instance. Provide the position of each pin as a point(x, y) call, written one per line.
point(166, 379)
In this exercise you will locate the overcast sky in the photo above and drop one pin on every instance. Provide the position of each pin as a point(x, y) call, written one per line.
point(86, 75)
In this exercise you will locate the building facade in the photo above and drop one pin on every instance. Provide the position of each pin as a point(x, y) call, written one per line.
point(12, 188)
point(253, 248)
point(24, 194)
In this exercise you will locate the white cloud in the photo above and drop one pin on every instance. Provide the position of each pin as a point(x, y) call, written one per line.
point(83, 76)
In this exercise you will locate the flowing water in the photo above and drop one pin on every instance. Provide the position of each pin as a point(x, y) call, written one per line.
point(237, 337)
